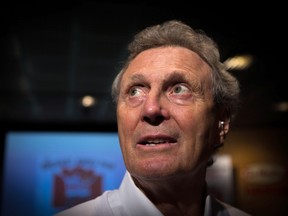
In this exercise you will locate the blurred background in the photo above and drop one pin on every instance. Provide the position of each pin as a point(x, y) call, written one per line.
point(58, 63)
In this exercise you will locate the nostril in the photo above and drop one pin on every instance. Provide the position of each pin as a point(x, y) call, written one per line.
point(155, 120)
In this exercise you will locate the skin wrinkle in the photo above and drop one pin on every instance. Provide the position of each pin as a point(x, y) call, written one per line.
point(197, 85)
point(173, 78)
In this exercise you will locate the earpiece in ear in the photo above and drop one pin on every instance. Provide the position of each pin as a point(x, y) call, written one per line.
point(223, 130)
point(221, 125)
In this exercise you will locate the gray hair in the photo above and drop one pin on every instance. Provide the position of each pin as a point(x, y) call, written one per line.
point(225, 86)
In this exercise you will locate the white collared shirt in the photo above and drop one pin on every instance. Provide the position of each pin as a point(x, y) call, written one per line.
point(129, 200)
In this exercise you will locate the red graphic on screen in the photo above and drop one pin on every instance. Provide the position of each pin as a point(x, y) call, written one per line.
point(76, 185)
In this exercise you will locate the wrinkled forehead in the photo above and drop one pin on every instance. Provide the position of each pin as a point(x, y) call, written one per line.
point(164, 60)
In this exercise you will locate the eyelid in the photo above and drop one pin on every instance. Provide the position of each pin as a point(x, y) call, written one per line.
point(184, 85)
point(131, 85)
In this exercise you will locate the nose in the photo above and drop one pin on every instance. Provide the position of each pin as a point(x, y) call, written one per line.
point(155, 109)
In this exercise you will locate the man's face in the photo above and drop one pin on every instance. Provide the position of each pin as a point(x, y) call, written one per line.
point(166, 116)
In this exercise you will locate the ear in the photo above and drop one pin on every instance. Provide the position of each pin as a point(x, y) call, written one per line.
point(224, 126)
point(223, 129)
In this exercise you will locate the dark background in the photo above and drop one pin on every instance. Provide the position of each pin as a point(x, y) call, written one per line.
point(54, 54)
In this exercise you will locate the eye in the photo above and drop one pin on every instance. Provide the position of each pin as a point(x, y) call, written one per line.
point(135, 96)
point(180, 94)
point(135, 91)
point(180, 89)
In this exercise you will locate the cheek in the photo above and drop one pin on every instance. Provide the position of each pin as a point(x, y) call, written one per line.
point(126, 119)
point(207, 134)
point(187, 120)
point(197, 126)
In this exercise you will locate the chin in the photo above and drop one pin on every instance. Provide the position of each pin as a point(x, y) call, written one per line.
point(155, 174)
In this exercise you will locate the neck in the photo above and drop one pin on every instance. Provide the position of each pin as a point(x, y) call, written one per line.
point(183, 195)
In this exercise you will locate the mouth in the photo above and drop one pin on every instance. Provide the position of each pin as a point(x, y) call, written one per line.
point(158, 140)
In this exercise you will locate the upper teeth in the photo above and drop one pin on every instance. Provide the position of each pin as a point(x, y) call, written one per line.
point(155, 141)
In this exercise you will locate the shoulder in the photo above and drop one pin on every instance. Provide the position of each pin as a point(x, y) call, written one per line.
point(219, 207)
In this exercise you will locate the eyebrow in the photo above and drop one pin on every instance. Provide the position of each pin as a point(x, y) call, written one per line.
point(174, 76)
point(137, 77)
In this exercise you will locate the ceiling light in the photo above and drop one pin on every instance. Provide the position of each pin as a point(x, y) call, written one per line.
point(88, 101)
point(240, 62)
point(281, 106)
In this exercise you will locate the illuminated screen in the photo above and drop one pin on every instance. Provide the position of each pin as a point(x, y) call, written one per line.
point(45, 172)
